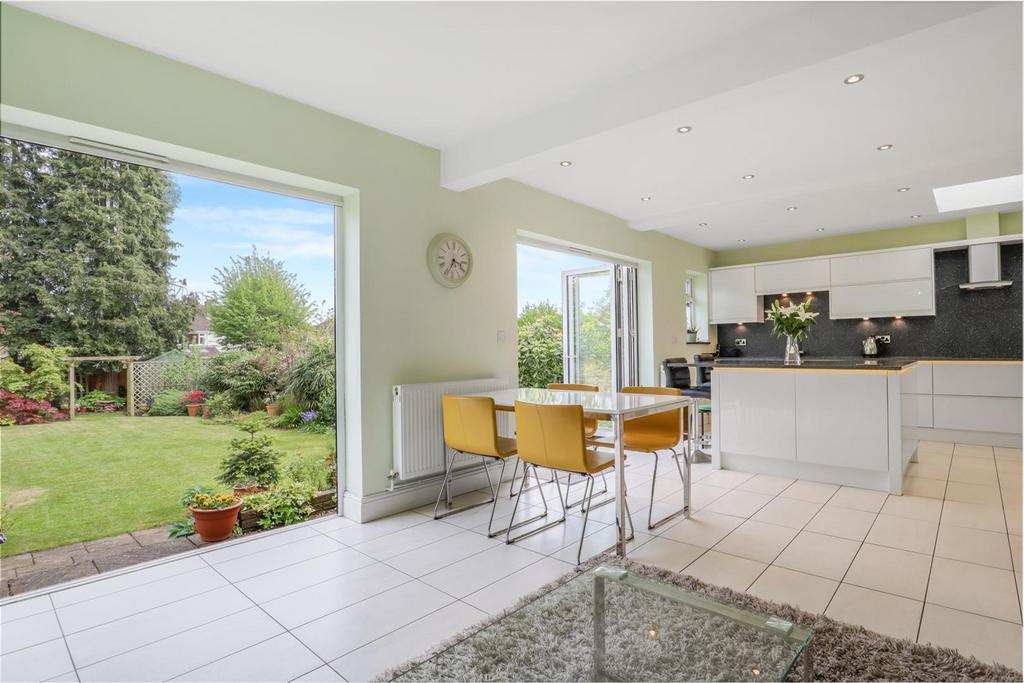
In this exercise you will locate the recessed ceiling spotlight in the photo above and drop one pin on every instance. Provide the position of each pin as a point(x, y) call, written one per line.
point(741, 240)
point(809, 293)
point(790, 208)
point(903, 189)
point(748, 176)
point(916, 215)
point(819, 230)
point(883, 148)
point(853, 78)
point(702, 225)
point(565, 163)
point(645, 199)
point(684, 129)
point(865, 318)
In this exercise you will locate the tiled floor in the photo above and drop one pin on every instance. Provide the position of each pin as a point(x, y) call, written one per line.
point(332, 600)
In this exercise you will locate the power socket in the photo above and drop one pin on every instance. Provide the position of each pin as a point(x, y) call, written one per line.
point(741, 342)
point(883, 338)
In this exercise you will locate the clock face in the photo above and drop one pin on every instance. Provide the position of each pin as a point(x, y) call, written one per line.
point(449, 259)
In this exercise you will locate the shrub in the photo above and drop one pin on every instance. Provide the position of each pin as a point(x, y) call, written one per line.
point(218, 406)
point(251, 459)
point(203, 498)
point(193, 397)
point(49, 376)
point(238, 375)
point(13, 377)
point(289, 419)
point(311, 378)
point(285, 504)
point(316, 471)
point(167, 402)
point(540, 345)
point(26, 411)
point(185, 372)
point(89, 400)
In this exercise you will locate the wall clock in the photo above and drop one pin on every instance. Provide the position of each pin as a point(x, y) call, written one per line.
point(449, 259)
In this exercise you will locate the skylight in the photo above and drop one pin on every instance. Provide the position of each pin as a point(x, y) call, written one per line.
point(979, 194)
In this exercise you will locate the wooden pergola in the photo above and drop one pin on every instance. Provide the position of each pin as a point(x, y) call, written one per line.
point(128, 361)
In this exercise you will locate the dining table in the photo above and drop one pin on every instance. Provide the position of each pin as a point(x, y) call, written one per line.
point(615, 407)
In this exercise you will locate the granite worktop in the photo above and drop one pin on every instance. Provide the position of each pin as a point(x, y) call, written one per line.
point(844, 362)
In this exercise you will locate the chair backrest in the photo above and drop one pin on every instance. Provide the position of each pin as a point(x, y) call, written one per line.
point(668, 424)
point(551, 436)
point(470, 424)
point(704, 374)
point(677, 376)
point(573, 387)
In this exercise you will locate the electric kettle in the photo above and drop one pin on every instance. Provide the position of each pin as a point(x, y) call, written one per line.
point(870, 347)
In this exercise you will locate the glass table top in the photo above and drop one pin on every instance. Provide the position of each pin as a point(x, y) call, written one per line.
point(610, 624)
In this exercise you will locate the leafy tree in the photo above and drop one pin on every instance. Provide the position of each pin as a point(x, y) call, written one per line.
point(258, 302)
point(238, 377)
point(540, 345)
point(596, 341)
point(251, 460)
point(48, 380)
point(85, 253)
point(311, 379)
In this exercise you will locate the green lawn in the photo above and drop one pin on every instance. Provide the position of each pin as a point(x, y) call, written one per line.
point(102, 475)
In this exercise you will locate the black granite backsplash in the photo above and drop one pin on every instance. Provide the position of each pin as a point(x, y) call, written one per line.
point(981, 324)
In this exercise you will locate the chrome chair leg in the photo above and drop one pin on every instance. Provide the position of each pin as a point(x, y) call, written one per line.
point(651, 524)
point(446, 491)
point(512, 482)
point(512, 520)
point(580, 502)
point(588, 488)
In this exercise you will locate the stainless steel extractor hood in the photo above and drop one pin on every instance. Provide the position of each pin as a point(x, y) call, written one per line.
point(984, 268)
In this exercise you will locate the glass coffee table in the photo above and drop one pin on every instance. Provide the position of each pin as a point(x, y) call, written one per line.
point(609, 624)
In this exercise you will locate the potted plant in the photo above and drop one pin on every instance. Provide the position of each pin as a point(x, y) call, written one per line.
point(252, 463)
point(193, 401)
point(793, 322)
point(691, 334)
point(214, 514)
point(273, 407)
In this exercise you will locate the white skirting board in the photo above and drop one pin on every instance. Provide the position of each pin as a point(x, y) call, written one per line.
point(966, 437)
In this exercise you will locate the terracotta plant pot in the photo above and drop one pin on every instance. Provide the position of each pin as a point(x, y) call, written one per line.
point(206, 413)
point(193, 409)
point(216, 525)
point(247, 489)
point(273, 409)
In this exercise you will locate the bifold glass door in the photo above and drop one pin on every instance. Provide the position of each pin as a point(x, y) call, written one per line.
point(599, 326)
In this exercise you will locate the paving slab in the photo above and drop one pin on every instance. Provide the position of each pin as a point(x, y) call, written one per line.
point(151, 536)
point(16, 561)
point(111, 544)
point(51, 576)
point(142, 554)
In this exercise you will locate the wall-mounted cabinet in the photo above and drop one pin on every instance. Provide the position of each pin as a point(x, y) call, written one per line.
point(733, 296)
point(882, 266)
point(810, 275)
point(882, 299)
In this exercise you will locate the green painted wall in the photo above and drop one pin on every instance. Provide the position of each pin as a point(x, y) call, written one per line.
point(409, 328)
point(1009, 224)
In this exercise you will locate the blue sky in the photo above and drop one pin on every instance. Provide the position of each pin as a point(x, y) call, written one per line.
point(540, 274)
point(215, 221)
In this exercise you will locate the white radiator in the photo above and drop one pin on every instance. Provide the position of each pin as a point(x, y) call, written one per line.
point(418, 430)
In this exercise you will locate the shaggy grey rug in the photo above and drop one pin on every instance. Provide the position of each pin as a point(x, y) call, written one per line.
point(552, 641)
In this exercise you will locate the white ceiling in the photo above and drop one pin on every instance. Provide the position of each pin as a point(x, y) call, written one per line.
point(511, 89)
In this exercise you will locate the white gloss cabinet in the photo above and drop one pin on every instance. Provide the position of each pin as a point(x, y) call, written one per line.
point(884, 266)
point(996, 414)
point(841, 419)
point(904, 298)
point(733, 299)
point(756, 413)
point(977, 379)
point(810, 275)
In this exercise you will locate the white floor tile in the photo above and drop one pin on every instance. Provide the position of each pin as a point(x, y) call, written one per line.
point(666, 553)
point(728, 479)
point(990, 640)
point(82, 615)
point(935, 458)
point(740, 503)
point(473, 573)
point(980, 494)
point(248, 546)
point(885, 613)
point(341, 632)
point(442, 553)
point(407, 539)
point(724, 570)
point(818, 554)
point(361, 533)
point(600, 542)
point(1012, 454)
point(973, 588)
point(507, 591)
point(810, 491)
point(858, 499)
point(974, 545)
point(36, 663)
point(115, 637)
point(913, 507)
point(809, 593)
point(973, 451)
point(112, 584)
point(557, 537)
point(973, 516)
point(701, 495)
point(407, 642)
point(332, 523)
point(179, 654)
point(904, 533)
point(324, 674)
point(270, 559)
point(28, 631)
point(889, 570)
point(703, 528)
point(322, 598)
point(1015, 551)
point(281, 658)
point(266, 587)
point(757, 540)
point(842, 522)
point(943, 447)
point(765, 483)
point(925, 488)
point(788, 512)
point(928, 470)
point(25, 608)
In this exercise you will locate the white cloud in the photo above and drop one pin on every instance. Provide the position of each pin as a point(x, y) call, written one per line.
point(284, 233)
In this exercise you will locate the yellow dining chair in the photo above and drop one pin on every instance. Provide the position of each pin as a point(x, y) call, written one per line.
point(554, 437)
point(655, 434)
point(471, 428)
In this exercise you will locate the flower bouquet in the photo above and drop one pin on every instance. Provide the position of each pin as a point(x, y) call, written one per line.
point(793, 322)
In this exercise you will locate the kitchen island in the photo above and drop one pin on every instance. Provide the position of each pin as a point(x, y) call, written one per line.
point(856, 421)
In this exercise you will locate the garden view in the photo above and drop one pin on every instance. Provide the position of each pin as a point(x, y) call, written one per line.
point(232, 387)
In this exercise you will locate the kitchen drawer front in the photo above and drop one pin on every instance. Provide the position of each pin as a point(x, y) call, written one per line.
point(755, 413)
point(917, 379)
point(978, 413)
point(795, 276)
point(886, 266)
point(916, 410)
point(842, 420)
point(732, 296)
point(913, 297)
point(978, 379)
